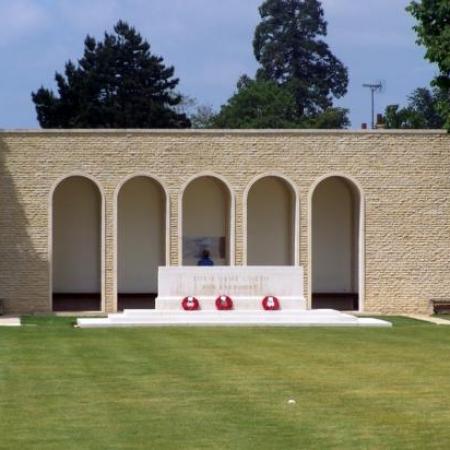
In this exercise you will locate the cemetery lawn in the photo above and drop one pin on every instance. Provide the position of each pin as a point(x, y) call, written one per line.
point(443, 316)
point(224, 388)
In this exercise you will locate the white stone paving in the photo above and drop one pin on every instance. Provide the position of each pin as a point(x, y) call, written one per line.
point(300, 318)
point(9, 322)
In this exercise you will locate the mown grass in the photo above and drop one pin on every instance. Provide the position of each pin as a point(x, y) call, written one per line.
point(224, 388)
point(443, 316)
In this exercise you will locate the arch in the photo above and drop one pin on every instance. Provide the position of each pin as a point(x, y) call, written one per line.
point(76, 244)
point(141, 203)
point(336, 253)
point(212, 223)
point(284, 216)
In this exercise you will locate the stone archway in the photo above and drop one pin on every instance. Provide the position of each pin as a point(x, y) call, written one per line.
point(271, 223)
point(141, 241)
point(207, 220)
point(76, 245)
point(336, 217)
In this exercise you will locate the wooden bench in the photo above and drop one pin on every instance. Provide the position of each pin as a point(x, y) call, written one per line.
point(440, 306)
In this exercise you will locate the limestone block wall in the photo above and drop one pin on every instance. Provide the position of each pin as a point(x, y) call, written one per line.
point(404, 178)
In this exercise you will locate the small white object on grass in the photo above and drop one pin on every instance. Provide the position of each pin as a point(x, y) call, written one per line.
point(291, 401)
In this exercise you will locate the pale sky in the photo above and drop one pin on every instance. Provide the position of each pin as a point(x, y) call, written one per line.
point(208, 41)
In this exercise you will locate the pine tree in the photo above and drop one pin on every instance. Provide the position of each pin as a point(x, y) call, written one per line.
point(289, 47)
point(118, 83)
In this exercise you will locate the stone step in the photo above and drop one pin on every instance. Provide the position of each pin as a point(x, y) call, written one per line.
point(300, 318)
point(216, 313)
point(10, 322)
point(230, 316)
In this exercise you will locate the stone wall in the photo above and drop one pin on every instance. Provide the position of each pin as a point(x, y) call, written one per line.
point(404, 176)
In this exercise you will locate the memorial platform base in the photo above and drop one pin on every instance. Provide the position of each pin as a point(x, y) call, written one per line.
point(288, 318)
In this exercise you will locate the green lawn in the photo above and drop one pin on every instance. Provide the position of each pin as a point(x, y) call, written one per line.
point(224, 388)
point(443, 316)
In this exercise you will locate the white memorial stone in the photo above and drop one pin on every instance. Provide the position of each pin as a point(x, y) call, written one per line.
point(247, 286)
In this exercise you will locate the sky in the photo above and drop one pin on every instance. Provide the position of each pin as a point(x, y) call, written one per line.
point(210, 44)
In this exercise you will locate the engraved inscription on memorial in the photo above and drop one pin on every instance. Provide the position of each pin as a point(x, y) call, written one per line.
point(211, 284)
point(247, 286)
point(245, 281)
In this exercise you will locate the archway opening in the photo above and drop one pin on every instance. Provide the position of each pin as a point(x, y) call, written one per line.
point(336, 216)
point(206, 221)
point(271, 223)
point(76, 249)
point(141, 242)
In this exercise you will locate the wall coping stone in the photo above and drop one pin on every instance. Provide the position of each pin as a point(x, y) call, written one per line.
point(215, 132)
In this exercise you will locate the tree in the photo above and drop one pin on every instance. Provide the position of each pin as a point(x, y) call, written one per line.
point(258, 104)
point(203, 117)
point(331, 118)
point(423, 111)
point(200, 115)
point(117, 83)
point(289, 47)
point(433, 30)
point(298, 77)
point(265, 104)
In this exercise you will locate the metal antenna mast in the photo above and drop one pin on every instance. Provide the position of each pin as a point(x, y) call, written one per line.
point(374, 87)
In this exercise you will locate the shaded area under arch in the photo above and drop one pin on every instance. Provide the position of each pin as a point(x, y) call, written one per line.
point(271, 223)
point(206, 213)
point(335, 244)
point(141, 242)
point(76, 245)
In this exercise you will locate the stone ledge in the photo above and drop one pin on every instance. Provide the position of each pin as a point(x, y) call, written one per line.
point(218, 132)
point(299, 318)
point(9, 322)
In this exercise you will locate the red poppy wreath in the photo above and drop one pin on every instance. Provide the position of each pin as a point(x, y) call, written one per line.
point(190, 304)
point(271, 303)
point(224, 303)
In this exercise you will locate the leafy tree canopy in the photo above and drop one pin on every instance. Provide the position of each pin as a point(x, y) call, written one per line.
point(262, 104)
point(117, 83)
point(288, 44)
point(423, 110)
point(433, 30)
point(258, 104)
